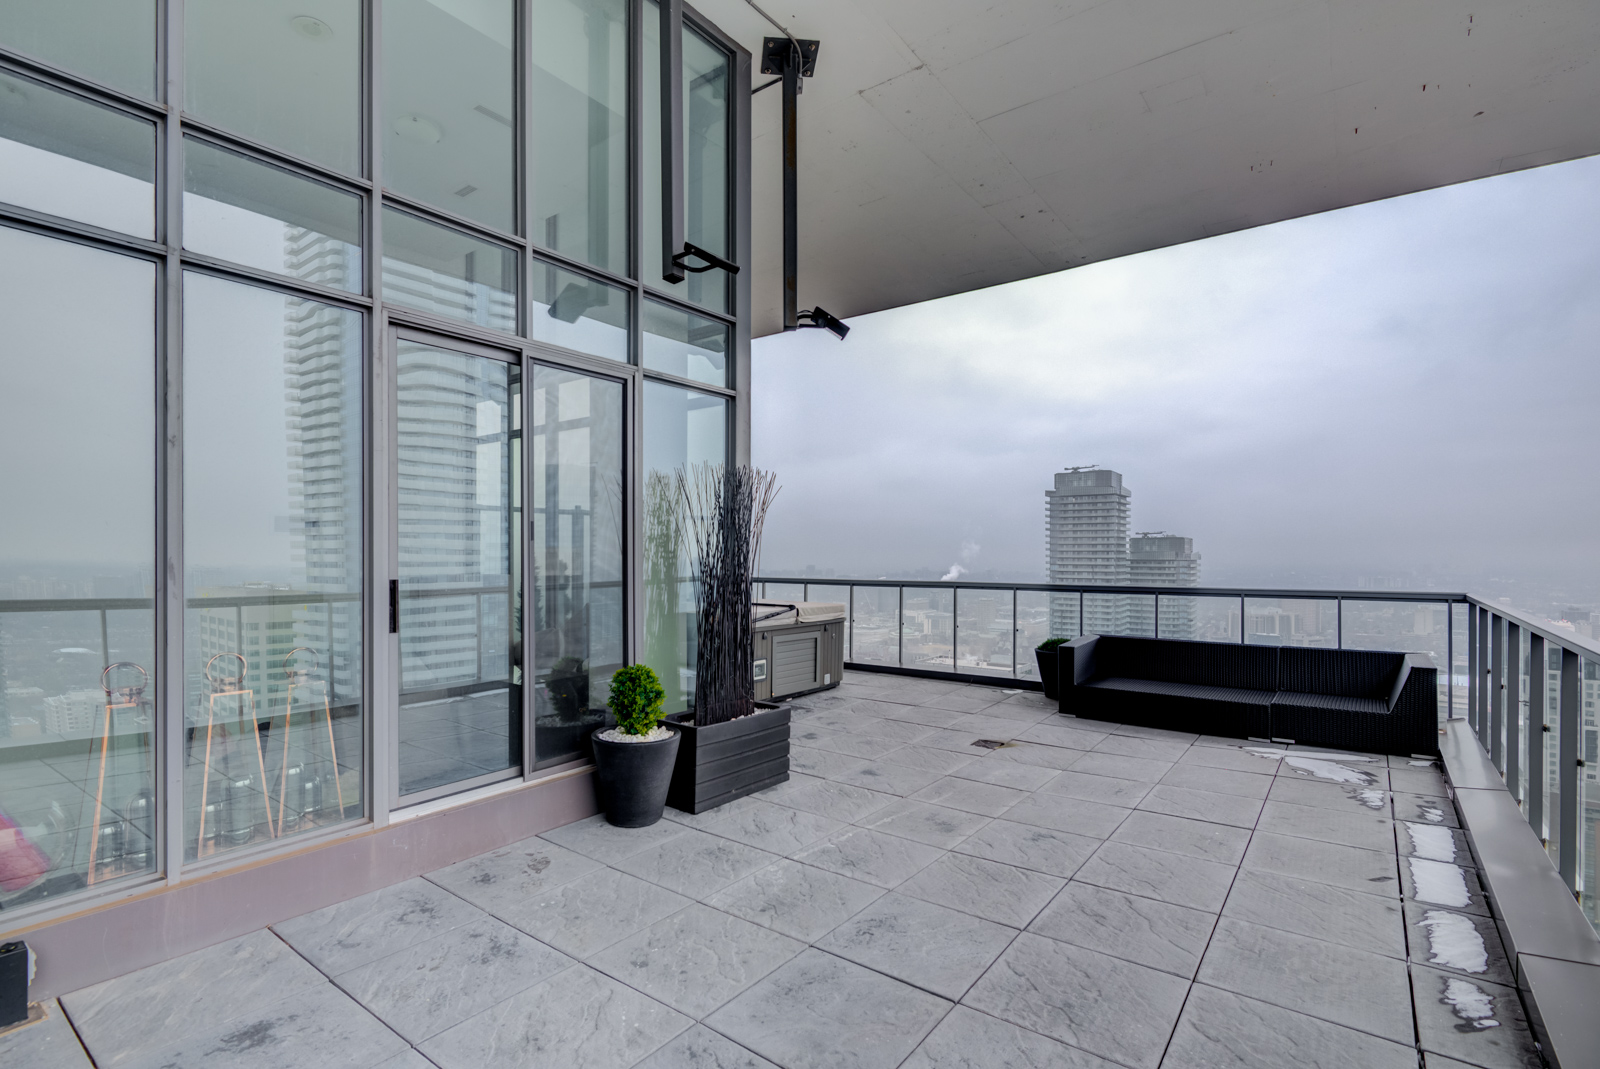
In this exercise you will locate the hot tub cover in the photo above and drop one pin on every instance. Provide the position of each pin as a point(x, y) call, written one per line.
point(790, 613)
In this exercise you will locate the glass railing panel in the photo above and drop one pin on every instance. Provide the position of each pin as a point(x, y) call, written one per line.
point(1118, 614)
point(1140, 610)
point(1458, 668)
point(1216, 619)
point(840, 595)
point(1291, 622)
point(1588, 787)
point(874, 625)
point(927, 628)
point(1527, 730)
point(1036, 616)
point(782, 592)
point(1404, 627)
point(1178, 616)
point(984, 632)
point(1552, 752)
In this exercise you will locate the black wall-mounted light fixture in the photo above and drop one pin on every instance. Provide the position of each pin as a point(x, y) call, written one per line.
point(818, 317)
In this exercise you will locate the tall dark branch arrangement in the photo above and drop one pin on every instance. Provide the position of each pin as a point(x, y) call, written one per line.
point(723, 510)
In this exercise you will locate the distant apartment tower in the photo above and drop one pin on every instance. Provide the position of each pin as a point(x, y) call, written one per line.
point(1086, 541)
point(1156, 558)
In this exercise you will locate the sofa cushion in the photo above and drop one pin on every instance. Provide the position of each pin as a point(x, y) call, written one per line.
point(1351, 673)
point(1220, 664)
point(1339, 702)
point(1193, 691)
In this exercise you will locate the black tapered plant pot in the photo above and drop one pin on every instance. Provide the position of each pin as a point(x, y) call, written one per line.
point(721, 762)
point(631, 778)
point(1048, 667)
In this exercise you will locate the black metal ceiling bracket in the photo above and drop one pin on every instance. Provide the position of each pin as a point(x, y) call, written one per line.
point(791, 60)
point(713, 262)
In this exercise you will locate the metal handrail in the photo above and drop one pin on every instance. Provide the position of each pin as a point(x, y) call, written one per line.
point(1434, 596)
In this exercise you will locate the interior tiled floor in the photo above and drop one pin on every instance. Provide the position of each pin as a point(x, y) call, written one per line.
point(1085, 896)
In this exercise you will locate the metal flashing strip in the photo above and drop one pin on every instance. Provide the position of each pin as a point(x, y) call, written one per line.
point(1555, 949)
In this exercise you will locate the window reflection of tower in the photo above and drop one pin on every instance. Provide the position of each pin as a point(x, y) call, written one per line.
point(563, 524)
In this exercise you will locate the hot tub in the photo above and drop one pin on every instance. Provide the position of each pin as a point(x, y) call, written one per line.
point(799, 647)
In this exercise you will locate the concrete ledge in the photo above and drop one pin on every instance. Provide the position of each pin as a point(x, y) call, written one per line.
point(121, 937)
point(1555, 949)
point(1563, 998)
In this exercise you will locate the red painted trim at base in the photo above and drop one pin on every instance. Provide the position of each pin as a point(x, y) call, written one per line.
point(90, 947)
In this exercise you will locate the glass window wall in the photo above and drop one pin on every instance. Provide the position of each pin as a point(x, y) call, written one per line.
point(77, 549)
point(459, 512)
point(681, 428)
point(282, 74)
point(111, 41)
point(706, 134)
point(523, 128)
point(272, 487)
point(235, 208)
point(65, 156)
point(435, 269)
point(578, 312)
point(686, 345)
point(579, 130)
point(577, 526)
point(449, 107)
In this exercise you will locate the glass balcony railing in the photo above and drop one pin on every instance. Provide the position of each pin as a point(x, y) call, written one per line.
point(1529, 688)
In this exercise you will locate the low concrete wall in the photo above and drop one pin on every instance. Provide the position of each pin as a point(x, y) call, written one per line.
point(118, 938)
point(1555, 950)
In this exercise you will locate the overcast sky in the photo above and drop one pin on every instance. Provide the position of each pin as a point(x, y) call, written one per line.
point(1409, 387)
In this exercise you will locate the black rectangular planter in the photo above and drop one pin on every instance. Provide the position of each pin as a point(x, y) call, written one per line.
point(721, 762)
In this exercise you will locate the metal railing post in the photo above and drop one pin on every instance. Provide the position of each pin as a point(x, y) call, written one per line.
point(1338, 623)
point(1241, 620)
point(1158, 616)
point(1450, 660)
point(1568, 758)
point(850, 625)
point(1014, 630)
point(1474, 684)
point(1513, 704)
point(1538, 684)
point(900, 629)
point(1497, 692)
point(1483, 677)
point(955, 624)
point(1080, 614)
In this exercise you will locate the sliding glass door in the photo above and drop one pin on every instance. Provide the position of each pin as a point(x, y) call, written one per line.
point(458, 516)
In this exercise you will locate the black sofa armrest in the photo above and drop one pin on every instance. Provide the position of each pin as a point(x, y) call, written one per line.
point(1075, 663)
point(1403, 678)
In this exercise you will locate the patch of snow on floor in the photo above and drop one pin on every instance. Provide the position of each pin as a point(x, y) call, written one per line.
point(1323, 768)
point(1471, 1003)
point(1431, 841)
point(1435, 815)
point(1372, 799)
point(1454, 941)
point(1439, 883)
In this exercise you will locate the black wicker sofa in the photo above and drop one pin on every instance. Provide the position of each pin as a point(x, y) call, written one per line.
point(1364, 700)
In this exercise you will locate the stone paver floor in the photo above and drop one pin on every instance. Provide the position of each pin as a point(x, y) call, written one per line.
point(1086, 895)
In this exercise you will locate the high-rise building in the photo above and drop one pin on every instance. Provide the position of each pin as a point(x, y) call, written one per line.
point(1156, 558)
point(1086, 541)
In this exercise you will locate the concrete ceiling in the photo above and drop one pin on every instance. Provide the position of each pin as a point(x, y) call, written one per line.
point(948, 145)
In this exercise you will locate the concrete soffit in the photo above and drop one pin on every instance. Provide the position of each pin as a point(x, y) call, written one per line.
point(950, 145)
